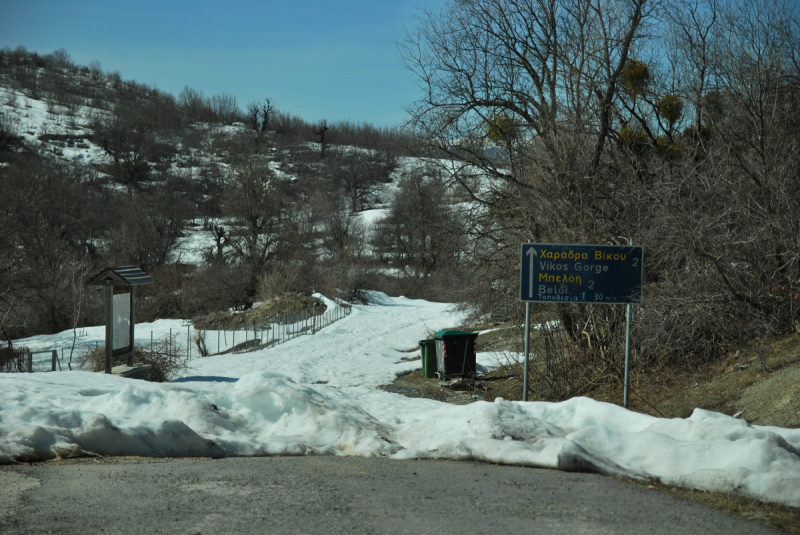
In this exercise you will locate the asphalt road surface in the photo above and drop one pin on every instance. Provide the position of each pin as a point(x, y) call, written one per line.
point(336, 495)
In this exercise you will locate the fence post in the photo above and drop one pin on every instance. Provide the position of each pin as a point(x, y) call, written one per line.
point(219, 325)
point(30, 361)
point(233, 337)
point(55, 357)
point(313, 318)
point(188, 343)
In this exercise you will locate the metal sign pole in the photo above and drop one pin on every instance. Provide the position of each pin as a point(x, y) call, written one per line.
point(627, 357)
point(132, 326)
point(527, 348)
point(109, 325)
point(627, 351)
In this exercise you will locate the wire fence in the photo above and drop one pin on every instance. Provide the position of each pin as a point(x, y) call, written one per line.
point(250, 335)
point(202, 340)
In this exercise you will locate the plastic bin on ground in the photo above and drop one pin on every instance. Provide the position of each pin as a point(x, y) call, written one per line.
point(455, 354)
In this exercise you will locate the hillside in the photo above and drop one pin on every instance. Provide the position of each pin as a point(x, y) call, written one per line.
point(224, 206)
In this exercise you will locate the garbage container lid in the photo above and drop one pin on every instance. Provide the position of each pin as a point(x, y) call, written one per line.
point(442, 334)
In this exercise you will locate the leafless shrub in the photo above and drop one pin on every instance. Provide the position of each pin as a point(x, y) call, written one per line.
point(13, 360)
point(11, 97)
point(277, 282)
point(167, 358)
point(8, 128)
point(200, 341)
point(560, 367)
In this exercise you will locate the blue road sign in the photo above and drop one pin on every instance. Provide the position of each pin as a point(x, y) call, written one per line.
point(602, 274)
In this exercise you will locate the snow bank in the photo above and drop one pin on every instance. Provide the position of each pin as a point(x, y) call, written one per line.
point(316, 395)
point(45, 415)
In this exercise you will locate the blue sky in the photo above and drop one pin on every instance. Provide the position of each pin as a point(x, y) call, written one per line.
point(334, 59)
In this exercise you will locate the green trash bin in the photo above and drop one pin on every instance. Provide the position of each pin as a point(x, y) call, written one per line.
point(428, 351)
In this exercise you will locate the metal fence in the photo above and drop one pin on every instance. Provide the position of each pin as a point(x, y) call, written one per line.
point(264, 332)
point(202, 341)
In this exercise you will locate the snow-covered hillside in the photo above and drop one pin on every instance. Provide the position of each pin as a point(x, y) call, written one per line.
point(65, 134)
point(317, 395)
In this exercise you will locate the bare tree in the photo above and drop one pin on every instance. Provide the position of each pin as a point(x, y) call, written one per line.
point(224, 108)
point(95, 69)
point(257, 202)
point(260, 117)
point(128, 138)
point(423, 232)
point(149, 226)
point(194, 104)
point(358, 173)
point(322, 137)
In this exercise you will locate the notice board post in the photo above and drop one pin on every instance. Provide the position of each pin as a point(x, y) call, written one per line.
point(569, 273)
point(120, 296)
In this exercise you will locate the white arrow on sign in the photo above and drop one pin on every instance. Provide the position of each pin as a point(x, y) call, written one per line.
point(532, 253)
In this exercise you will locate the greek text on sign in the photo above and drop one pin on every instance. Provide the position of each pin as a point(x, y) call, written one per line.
point(607, 274)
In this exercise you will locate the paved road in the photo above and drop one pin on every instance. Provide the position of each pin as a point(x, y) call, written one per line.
point(336, 495)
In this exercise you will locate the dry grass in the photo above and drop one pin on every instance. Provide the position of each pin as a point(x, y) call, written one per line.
point(719, 386)
point(778, 516)
point(271, 310)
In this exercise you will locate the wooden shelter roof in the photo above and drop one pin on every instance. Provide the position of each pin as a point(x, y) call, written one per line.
point(121, 276)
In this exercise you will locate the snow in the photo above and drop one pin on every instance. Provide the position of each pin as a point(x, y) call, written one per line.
point(31, 118)
point(316, 394)
point(372, 216)
point(90, 337)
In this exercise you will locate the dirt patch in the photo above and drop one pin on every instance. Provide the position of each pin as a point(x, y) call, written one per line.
point(775, 400)
point(758, 383)
point(415, 385)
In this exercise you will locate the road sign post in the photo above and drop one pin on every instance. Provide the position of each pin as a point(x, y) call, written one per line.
point(594, 274)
